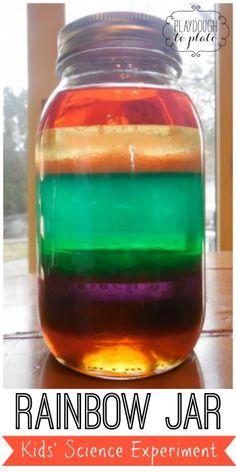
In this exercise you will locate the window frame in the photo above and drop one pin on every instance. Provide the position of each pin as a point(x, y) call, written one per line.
point(44, 22)
point(224, 145)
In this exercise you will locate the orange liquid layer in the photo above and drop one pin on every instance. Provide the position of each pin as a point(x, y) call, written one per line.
point(128, 357)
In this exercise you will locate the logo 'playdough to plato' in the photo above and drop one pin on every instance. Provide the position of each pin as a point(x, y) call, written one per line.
point(195, 31)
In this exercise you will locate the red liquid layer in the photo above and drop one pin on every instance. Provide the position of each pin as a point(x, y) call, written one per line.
point(119, 105)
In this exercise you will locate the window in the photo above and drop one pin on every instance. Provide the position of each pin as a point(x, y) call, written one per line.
point(202, 90)
point(198, 80)
point(15, 135)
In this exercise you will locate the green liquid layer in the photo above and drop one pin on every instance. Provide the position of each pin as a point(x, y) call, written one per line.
point(114, 224)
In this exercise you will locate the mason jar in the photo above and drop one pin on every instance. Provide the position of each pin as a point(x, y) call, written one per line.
point(120, 202)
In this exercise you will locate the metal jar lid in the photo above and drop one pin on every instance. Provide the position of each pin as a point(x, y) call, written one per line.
point(115, 30)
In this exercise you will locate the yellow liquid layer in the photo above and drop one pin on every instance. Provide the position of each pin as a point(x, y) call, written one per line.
point(119, 148)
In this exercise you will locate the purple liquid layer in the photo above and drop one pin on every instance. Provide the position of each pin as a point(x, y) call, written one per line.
point(171, 306)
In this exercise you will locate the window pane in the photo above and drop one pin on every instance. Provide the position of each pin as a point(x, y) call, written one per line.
point(198, 80)
point(15, 133)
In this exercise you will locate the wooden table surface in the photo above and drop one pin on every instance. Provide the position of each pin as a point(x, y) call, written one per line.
point(28, 363)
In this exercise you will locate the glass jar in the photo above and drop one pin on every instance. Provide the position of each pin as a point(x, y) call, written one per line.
point(120, 202)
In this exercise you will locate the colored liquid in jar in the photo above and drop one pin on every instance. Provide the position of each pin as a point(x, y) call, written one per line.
point(120, 230)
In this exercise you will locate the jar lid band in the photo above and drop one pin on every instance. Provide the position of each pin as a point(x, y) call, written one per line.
point(115, 29)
